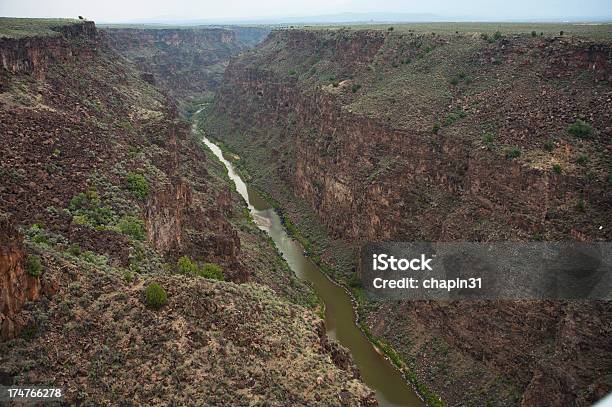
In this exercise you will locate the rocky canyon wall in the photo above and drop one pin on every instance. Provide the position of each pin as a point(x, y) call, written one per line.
point(188, 63)
point(420, 136)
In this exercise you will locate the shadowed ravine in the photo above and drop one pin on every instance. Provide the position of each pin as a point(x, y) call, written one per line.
point(378, 373)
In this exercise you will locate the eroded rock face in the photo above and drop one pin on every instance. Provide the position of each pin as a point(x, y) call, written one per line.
point(33, 54)
point(16, 285)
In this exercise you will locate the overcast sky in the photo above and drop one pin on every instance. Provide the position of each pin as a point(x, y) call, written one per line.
point(129, 10)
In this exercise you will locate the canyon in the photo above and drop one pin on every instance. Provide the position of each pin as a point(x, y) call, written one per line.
point(353, 135)
point(362, 135)
point(106, 194)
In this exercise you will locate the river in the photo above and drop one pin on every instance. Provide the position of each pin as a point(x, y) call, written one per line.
point(377, 372)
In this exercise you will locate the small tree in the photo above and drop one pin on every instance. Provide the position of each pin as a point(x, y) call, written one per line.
point(156, 296)
point(186, 266)
point(34, 265)
point(138, 184)
point(211, 270)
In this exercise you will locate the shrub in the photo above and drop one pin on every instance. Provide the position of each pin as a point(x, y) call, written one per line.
point(137, 184)
point(561, 33)
point(156, 296)
point(580, 205)
point(355, 88)
point(390, 29)
point(79, 201)
point(534, 34)
point(497, 35)
point(580, 129)
point(99, 260)
point(549, 145)
point(513, 153)
point(132, 226)
point(33, 265)
point(88, 210)
point(74, 249)
point(436, 128)
point(454, 81)
point(211, 270)
point(186, 266)
point(41, 239)
point(488, 138)
point(556, 168)
point(582, 159)
point(292, 72)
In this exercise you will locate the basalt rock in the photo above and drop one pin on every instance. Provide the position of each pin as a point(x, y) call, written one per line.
point(16, 285)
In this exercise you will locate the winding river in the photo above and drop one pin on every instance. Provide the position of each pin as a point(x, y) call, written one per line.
point(377, 372)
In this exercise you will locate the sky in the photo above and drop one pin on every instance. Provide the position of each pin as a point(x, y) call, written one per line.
point(236, 10)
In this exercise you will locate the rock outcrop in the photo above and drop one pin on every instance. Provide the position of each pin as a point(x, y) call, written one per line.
point(16, 285)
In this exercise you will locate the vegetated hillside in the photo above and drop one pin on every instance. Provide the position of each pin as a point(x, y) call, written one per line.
point(116, 226)
point(395, 135)
point(188, 63)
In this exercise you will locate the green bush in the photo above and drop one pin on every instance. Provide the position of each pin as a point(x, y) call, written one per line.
point(211, 270)
point(41, 239)
point(390, 29)
point(488, 138)
point(582, 159)
point(132, 226)
point(156, 296)
point(95, 259)
point(87, 209)
point(534, 34)
point(580, 129)
point(208, 270)
point(186, 266)
point(513, 153)
point(33, 265)
point(549, 145)
point(556, 168)
point(454, 81)
point(292, 72)
point(74, 249)
point(137, 184)
point(355, 88)
point(436, 128)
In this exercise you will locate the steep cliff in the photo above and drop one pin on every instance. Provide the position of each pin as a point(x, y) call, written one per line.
point(112, 193)
point(188, 63)
point(381, 135)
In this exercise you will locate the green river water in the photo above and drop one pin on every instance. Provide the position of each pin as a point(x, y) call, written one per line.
point(377, 372)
